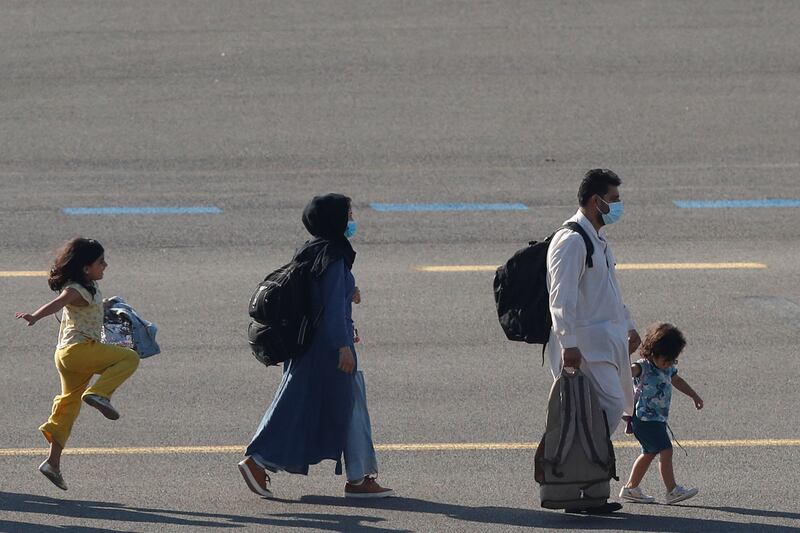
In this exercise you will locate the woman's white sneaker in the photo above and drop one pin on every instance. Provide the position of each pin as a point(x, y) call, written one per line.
point(678, 494)
point(635, 494)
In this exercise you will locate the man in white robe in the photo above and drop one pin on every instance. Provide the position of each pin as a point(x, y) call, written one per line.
point(592, 328)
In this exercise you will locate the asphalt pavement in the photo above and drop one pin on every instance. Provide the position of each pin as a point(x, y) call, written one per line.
point(254, 107)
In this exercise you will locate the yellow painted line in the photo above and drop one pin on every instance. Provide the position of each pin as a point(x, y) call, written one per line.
point(137, 450)
point(22, 274)
point(738, 443)
point(628, 443)
point(419, 447)
point(456, 446)
point(690, 266)
point(621, 266)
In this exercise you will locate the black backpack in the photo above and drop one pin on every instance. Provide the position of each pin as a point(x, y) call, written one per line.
point(520, 290)
point(281, 328)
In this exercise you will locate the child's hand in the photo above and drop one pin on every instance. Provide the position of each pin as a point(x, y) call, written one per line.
point(698, 402)
point(634, 341)
point(30, 319)
point(357, 296)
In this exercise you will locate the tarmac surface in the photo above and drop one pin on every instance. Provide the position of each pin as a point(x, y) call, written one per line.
point(254, 107)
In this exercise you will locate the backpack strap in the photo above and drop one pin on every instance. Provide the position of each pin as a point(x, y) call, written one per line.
point(577, 228)
point(586, 423)
point(567, 413)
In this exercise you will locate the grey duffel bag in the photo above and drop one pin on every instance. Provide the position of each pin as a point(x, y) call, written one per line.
point(575, 458)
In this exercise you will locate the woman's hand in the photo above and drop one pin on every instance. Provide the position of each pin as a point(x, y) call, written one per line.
point(30, 319)
point(347, 361)
point(357, 296)
point(698, 402)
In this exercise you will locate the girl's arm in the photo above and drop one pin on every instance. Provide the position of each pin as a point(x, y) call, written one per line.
point(680, 384)
point(67, 297)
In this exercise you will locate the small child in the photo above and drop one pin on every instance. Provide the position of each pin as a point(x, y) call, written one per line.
point(79, 353)
point(655, 375)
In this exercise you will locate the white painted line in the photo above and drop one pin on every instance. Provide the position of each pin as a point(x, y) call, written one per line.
point(620, 266)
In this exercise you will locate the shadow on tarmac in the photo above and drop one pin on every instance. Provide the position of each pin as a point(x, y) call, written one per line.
point(10, 526)
point(621, 521)
point(750, 512)
point(106, 513)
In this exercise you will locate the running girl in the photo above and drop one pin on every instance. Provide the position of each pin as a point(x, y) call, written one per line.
point(79, 353)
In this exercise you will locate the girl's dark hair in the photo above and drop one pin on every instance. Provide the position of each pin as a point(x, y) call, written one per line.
point(70, 262)
point(597, 181)
point(662, 340)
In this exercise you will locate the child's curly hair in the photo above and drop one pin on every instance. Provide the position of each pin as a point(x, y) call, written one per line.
point(662, 339)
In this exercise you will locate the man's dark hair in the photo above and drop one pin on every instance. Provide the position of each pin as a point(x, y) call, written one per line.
point(596, 181)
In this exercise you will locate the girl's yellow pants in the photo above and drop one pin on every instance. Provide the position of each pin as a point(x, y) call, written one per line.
point(76, 365)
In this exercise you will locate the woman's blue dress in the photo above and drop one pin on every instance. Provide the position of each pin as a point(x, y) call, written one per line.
point(309, 417)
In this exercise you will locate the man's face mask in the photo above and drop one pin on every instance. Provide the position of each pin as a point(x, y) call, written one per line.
point(615, 211)
point(350, 231)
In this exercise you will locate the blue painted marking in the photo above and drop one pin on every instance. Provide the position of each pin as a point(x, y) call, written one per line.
point(449, 207)
point(196, 210)
point(721, 204)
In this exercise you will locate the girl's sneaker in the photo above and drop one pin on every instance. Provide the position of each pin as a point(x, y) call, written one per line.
point(103, 405)
point(635, 494)
point(53, 474)
point(678, 494)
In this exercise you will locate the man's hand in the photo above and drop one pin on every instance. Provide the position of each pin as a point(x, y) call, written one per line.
point(347, 361)
point(357, 296)
point(634, 341)
point(571, 357)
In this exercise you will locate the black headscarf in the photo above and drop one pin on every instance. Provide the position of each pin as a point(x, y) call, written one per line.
point(325, 217)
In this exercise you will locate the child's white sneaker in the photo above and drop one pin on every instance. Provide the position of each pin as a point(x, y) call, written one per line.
point(635, 494)
point(678, 494)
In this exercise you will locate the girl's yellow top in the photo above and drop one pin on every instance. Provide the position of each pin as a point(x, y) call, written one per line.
point(81, 324)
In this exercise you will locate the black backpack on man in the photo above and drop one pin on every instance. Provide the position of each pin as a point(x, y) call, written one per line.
point(282, 326)
point(520, 290)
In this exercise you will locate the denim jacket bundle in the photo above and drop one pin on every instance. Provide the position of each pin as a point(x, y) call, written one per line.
point(123, 326)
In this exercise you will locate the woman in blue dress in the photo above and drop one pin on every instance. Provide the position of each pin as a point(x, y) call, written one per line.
point(319, 410)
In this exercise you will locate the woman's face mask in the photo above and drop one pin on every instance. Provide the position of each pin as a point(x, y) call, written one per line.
point(350, 231)
point(615, 211)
